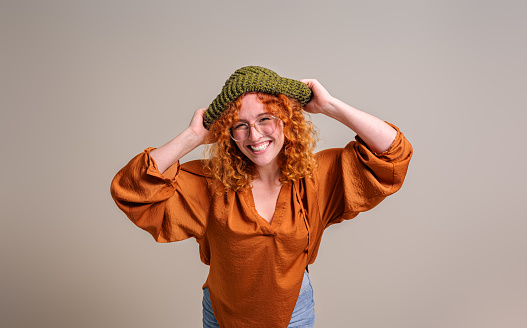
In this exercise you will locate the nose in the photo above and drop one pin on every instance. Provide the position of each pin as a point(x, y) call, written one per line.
point(254, 135)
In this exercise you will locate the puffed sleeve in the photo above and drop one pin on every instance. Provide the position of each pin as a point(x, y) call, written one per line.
point(171, 206)
point(355, 179)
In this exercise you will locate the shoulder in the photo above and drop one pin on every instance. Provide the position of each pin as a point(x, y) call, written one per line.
point(331, 162)
point(328, 154)
point(327, 165)
point(196, 167)
point(329, 157)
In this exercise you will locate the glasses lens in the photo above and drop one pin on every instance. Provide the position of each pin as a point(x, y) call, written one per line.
point(240, 132)
point(266, 125)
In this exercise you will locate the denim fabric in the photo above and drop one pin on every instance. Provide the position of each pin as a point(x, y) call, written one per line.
point(209, 320)
point(303, 314)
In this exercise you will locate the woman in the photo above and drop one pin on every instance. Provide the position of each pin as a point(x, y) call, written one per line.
point(259, 205)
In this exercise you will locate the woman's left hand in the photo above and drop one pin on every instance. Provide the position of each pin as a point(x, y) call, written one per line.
point(377, 134)
point(321, 101)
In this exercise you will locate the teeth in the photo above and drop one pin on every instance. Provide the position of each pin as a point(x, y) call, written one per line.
point(260, 148)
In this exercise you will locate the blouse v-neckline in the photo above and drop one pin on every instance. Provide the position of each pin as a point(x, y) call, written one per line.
point(280, 207)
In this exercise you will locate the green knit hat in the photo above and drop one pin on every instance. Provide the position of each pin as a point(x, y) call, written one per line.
point(254, 79)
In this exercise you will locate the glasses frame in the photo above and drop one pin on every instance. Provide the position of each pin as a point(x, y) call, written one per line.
point(276, 119)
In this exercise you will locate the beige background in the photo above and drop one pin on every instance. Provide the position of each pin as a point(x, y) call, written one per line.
point(86, 85)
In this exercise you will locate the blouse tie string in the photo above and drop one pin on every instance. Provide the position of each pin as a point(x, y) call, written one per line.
point(304, 217)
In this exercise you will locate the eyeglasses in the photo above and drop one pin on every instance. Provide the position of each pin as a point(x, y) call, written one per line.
point(265, 125)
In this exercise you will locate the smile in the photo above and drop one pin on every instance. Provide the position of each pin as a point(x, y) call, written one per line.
point(261, 147)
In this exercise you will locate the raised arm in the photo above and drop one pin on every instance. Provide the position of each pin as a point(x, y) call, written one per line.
point(378, 135)
point(171, 202)
point(192, 137)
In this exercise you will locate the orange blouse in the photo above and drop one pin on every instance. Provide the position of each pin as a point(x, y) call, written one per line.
point(256, 267)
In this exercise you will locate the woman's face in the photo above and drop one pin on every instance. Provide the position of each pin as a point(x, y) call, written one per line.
point(261, 150)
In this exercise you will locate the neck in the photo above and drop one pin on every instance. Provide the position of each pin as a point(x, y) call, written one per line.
point(269, 174)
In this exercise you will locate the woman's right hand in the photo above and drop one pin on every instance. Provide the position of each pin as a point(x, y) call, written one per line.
point(197, 128)
point(192, 137)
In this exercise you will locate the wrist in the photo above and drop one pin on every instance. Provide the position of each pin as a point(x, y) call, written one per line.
point(332, 108)
point(191, 138)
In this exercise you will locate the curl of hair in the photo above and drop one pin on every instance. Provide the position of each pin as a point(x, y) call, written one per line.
point(234, 171)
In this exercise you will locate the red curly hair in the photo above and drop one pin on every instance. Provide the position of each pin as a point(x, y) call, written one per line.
point(232, 169)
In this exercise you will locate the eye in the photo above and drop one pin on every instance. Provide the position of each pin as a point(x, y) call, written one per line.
point(265, 119)
point(240, 126)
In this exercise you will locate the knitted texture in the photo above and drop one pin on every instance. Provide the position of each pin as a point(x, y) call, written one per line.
point(254, 79)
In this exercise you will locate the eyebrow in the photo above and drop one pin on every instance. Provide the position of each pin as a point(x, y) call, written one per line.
point(257, 116)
